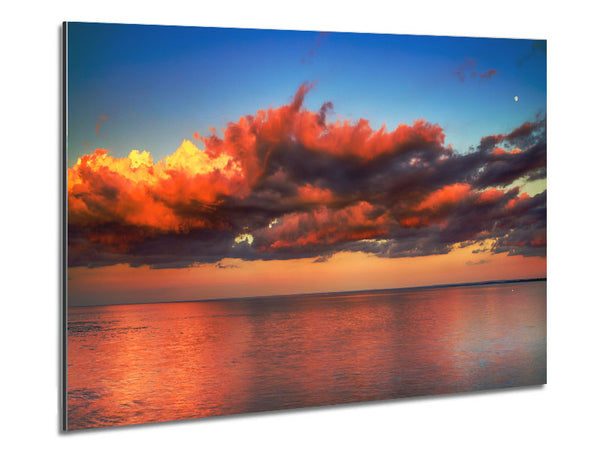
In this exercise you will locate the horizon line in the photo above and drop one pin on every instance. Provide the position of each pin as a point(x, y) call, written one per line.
point(307, 294)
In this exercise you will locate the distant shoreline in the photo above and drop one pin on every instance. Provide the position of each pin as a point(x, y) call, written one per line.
point(334, 293)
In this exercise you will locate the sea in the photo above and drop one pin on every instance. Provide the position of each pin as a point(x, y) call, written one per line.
point(154, 362)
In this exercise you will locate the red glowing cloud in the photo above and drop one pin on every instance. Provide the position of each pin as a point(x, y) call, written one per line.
point(286, 183)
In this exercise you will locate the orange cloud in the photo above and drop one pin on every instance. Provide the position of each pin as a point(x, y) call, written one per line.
point(515, 202)
point(490, 195)
point(324, 226)
point(312, 194)
point(136, 191)
point(448, 195)
point(287, 183)
point(499, 151)
point(274, 126)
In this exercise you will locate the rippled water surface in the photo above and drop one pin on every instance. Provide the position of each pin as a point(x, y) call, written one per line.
point(132, 364)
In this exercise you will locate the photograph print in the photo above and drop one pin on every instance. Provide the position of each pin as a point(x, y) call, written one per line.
point(261, 220)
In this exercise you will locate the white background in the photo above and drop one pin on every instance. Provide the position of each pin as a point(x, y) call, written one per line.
point(563, 413)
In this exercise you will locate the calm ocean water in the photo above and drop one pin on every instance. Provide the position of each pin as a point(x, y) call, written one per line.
point(131, 364)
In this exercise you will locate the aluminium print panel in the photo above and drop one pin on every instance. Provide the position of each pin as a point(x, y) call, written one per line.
point(259, 220)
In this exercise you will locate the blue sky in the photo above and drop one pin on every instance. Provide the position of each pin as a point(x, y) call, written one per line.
point(158, 85)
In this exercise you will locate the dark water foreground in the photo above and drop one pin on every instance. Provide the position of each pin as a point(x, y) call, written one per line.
point(132, 364)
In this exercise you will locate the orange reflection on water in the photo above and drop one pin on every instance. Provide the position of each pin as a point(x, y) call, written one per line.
point(156, 362)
